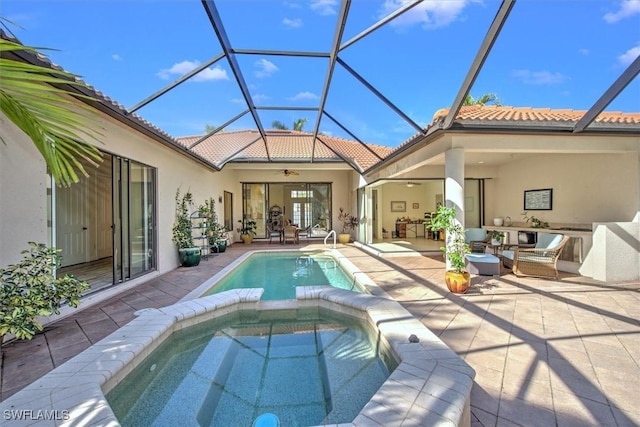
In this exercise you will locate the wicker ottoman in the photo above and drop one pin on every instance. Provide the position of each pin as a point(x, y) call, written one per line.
point(483, 264)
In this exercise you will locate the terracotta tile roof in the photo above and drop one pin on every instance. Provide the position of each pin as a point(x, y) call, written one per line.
point(283, 146)
point(492, 113)
point(523, 116)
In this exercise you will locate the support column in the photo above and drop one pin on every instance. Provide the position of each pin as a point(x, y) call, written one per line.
point(454, 184)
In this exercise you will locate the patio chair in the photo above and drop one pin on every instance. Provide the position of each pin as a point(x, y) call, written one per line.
point(539, 261)
point(290, 233)
point(304, 233)
point(273, 233)
point(475, 238)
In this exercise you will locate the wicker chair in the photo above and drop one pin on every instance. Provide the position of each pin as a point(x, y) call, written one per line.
point(539, 261)
point(475, 238)
point(290, 233)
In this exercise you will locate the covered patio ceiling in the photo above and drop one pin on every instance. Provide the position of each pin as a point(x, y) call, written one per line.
point(337, 50)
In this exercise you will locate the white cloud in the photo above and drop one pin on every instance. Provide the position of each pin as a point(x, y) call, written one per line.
point(303, 95)
point(584, 52)
point(237, 100)
point(116, 57)
point(292, 5)
point(629, 56)
point(429, 14)
point(627, 8)
point(324, 7)
point(292, 23)
point(265, 68)
point(182, 68)
point(258, 97)
point(539, 77)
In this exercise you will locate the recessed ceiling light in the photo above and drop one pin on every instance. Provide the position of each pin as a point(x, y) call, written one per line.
point(481, 162)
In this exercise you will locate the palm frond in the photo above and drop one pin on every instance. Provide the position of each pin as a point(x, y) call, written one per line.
point(32, 97)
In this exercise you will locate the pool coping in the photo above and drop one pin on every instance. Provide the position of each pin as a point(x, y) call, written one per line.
point(430, 386)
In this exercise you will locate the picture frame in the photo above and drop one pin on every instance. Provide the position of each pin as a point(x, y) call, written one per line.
point(416, 206)
point(538, 200)
point(397, 206)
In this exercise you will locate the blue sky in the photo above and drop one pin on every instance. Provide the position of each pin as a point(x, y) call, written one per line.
point(555, 54)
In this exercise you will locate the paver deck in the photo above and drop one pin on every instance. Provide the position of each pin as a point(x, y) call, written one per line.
point(545, 352)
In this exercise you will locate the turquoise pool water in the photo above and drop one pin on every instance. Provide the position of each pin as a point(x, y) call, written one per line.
point(280, 273)
point(307, 367)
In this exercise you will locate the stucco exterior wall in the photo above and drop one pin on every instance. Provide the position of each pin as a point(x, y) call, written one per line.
point(23, 188)
point(23, 193)
point(587, 188)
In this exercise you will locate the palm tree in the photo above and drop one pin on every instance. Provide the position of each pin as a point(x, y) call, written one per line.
point(487, 98)
point(210, 128)
point(46, 113)
point(277, 124)
point(299, 124)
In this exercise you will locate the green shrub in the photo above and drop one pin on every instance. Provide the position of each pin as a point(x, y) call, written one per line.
point(29, 289)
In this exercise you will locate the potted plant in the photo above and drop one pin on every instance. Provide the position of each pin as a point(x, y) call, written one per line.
point(349, 223)
point(495, 237)
point(213, 229)
point(455, 249)
point(182, 237)
point(535, 222)
point(247, 230)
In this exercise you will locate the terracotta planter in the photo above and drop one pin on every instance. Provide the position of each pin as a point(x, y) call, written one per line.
point(457, 282)
point(344, 238)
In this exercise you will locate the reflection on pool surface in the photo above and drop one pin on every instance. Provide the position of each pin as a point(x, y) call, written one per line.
point(315, 368)
point(281, 272)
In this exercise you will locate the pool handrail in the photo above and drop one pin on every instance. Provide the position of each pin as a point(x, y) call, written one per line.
point(334, 238)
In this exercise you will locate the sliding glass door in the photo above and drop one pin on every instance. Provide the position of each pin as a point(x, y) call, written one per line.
point(134, 238)
point(302, 204)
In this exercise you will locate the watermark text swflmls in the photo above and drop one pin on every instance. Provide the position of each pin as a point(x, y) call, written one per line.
point(35, 415)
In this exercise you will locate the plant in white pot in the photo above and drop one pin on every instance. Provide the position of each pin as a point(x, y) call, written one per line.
point(496, 237)
point(455, 249)
point(349, 223)
point(182, 237)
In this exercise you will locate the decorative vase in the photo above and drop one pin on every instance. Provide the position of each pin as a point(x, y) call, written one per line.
point(457, 282)
point(246, 238)
point(189, 257)
point(498, 222)
point(344, 238)
point(222, 245)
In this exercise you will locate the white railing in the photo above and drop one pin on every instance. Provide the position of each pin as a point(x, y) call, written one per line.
point(334, 238)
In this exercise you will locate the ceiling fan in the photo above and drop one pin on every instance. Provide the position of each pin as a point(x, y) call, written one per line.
point(288, 172)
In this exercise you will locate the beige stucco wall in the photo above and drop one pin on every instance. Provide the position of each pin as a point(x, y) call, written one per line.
point(23, 188)
point(587, 188)
point(23, 193)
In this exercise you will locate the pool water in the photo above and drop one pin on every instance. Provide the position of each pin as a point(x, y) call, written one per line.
point(280, 273)
point(315, 368)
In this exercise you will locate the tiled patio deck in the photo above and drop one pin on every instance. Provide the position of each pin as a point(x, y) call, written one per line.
point(545, 352)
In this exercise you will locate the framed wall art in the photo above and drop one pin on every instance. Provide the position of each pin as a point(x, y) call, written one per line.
point(538, 200)
point(398, 206)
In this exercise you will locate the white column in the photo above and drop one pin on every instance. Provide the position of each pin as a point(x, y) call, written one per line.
point(454, 181)
point(454, 184)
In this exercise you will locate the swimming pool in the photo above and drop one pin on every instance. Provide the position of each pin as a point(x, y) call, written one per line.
point(306, 367)
point(280, 273)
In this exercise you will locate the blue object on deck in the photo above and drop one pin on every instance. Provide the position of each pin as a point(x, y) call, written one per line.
point(267, 420)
